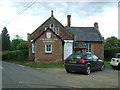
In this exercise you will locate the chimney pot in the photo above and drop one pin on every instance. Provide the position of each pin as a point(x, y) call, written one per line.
point(51, 12)
point(96, 25)
point(68, 20)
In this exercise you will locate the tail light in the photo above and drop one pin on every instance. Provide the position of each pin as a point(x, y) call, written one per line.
point(65, 60)
point(82, 61)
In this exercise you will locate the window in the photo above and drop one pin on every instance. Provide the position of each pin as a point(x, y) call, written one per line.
point(89, 47)
point(89, 57)
point(33, 47)
point(48, 48)
point(46, 28)
point(57, 31)
point(52, 27)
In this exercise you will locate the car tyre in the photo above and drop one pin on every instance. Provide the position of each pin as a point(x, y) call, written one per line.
point(118, 67)
point(68, 71)
point(114, 67)
point(102, 67)
point(88, 70)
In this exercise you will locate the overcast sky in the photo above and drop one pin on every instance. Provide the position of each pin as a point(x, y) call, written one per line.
point(21, 20)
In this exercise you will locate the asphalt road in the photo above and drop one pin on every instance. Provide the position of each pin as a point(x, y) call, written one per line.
point(18, 76)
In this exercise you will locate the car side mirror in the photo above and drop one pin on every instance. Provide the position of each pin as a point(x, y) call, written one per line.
point(98, 59)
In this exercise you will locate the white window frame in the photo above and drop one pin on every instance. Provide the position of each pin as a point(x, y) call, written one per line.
point(48, 48)
point(89, 47)
point(46, 28)
point(52, 28)
point(33, 47)
point(57, 30)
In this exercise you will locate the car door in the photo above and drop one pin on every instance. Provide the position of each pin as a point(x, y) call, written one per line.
point(96, 62)
point(91, 61)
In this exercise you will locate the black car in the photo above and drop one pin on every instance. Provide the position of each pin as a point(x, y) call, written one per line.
point(84, 63)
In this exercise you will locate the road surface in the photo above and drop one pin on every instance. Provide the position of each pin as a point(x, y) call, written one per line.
point(18, 76)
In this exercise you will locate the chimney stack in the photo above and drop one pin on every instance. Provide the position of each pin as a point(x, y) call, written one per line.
point(52, 13)
point(28, 37)
point(96, 25)
point(68, 20)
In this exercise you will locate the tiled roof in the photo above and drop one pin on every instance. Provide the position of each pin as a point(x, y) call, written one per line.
point(85, 34)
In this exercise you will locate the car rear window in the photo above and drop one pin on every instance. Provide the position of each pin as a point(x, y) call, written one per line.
point(75, 56)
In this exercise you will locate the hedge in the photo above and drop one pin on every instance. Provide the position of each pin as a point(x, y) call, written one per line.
point(15, 55)
point(110, 53)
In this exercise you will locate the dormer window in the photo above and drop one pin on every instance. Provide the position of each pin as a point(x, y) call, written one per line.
point(46, 28)
point(52, 27)
point(57, 31)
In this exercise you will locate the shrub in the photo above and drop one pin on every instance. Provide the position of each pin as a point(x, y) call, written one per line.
point(15, 55)
point(109, 53)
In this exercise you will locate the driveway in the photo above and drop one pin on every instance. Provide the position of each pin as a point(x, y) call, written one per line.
point(98, 79)
point(18, 76)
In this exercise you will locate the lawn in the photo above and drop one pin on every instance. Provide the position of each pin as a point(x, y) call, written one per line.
point(49, 65)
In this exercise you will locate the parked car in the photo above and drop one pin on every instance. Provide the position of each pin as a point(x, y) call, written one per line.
point(83, 63)
point(115, 62)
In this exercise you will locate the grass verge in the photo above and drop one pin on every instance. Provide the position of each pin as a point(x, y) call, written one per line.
point(36, 65)
point(107, 64)
point(48, 65)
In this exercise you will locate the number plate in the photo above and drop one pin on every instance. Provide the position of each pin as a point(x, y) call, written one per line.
point(72, 61)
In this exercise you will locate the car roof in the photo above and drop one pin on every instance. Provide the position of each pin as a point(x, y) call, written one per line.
point(117, 53)
point(81, 54)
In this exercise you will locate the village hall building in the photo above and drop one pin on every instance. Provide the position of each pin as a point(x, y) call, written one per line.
point(53, 42)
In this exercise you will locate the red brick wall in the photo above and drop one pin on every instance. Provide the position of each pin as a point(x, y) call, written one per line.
point(57, 52)
point(64, 34)
point(98, 49)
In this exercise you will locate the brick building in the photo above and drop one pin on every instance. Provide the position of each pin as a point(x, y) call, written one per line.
point(53, 42)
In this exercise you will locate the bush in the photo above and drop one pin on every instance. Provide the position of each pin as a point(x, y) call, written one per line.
point(110, 53)
point(15, 55)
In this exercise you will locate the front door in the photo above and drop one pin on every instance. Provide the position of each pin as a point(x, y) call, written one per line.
point(68, 48)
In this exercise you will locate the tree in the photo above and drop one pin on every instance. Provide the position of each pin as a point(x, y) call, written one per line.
point(19, 44)
point(112, 46)
point(23, 45)
point(17, 37)
point(0, 43)
point(5, 39)
point(111, 42)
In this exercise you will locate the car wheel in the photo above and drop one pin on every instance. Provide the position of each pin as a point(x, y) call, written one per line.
point(102, 67)
point(114, 67)
point(88, 70)
point(68, 71)
point(118, 67)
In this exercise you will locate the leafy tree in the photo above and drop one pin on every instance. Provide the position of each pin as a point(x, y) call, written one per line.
point(17, 37)
point(118, 42)
point(19, 44)
point(22, 45)
point(0, 43)
point(111, 42)
point(5, 39)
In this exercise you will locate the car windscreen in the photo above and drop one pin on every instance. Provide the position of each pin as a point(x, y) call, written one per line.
point(117, 56)
point(75, 56)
